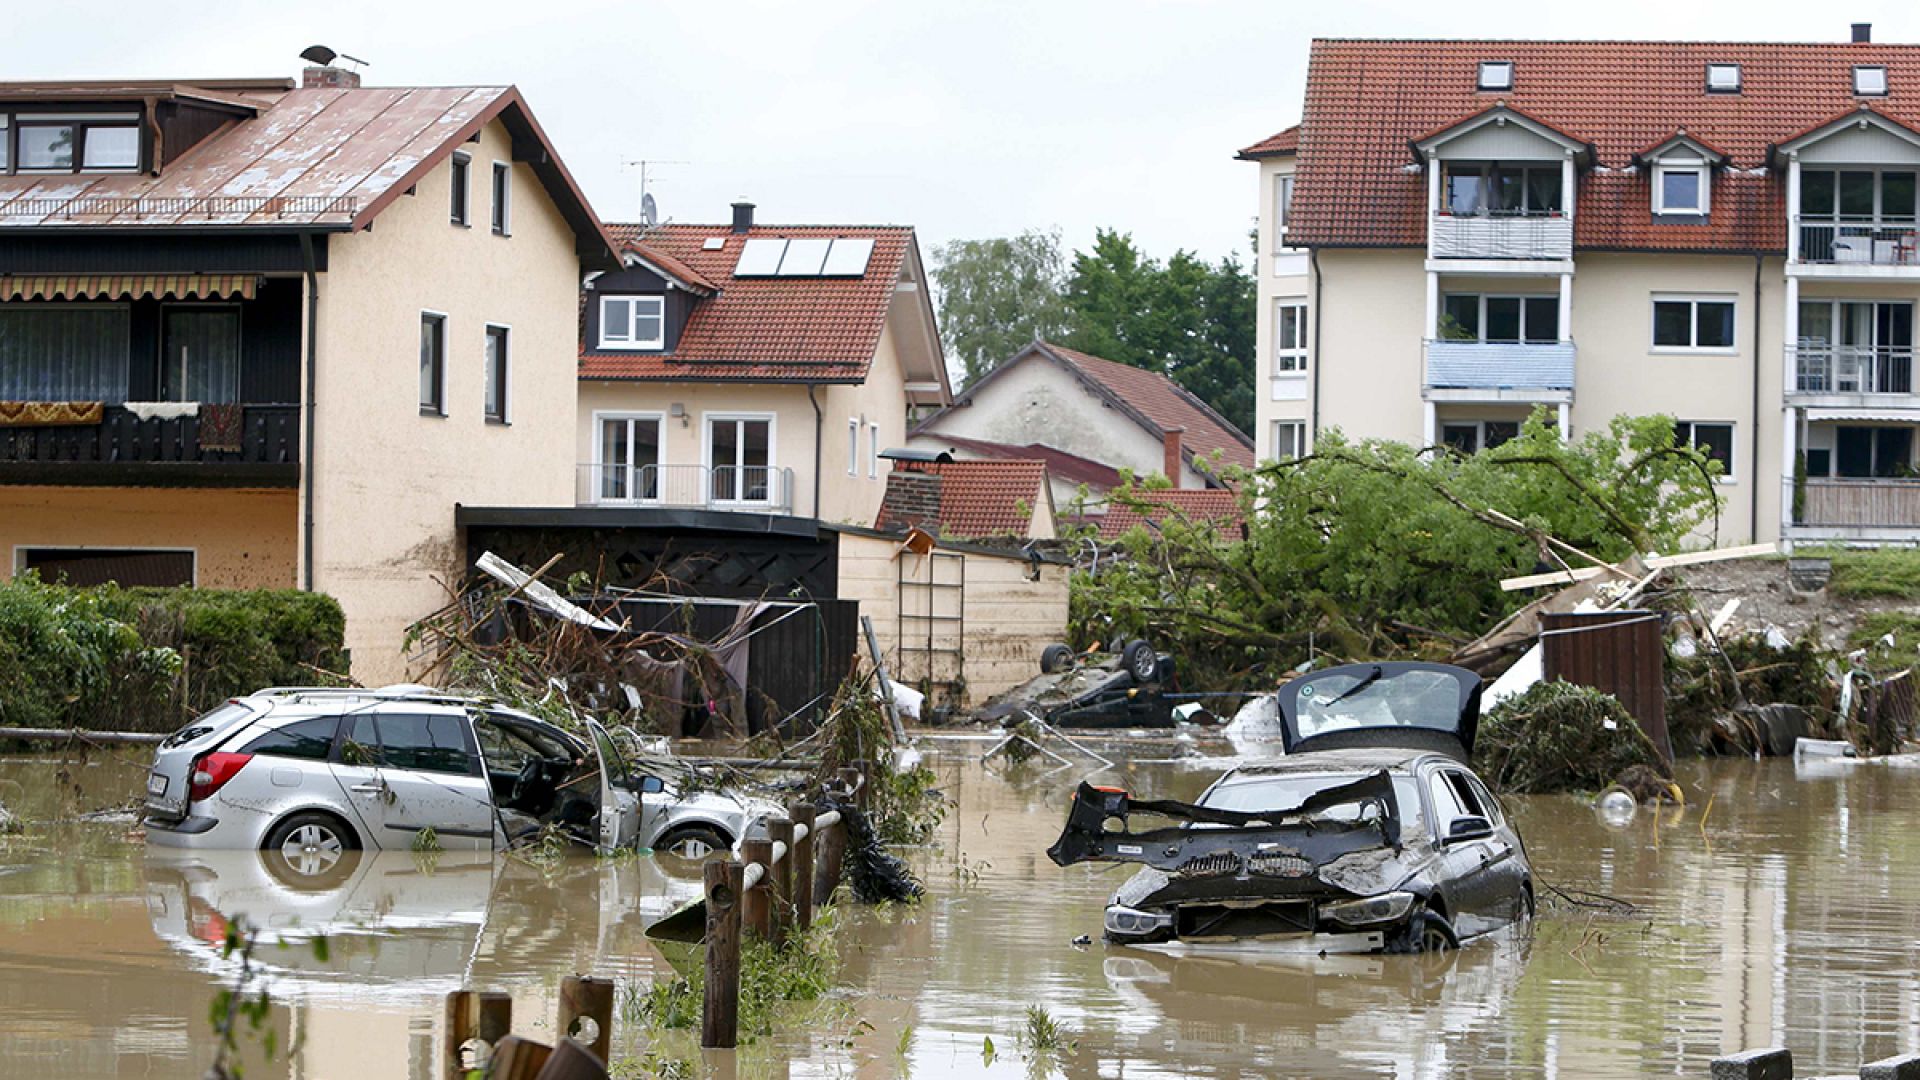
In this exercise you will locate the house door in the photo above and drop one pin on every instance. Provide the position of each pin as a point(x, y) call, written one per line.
point(200, 354)
point(629, 465)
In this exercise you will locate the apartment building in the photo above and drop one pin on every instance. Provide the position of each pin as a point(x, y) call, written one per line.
point(1466, 231)
point(256, 334)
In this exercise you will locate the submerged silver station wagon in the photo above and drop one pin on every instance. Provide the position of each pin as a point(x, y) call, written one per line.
point(311, 773)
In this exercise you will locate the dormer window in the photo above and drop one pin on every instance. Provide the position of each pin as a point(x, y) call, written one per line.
point(1496, 75)
point(633, 323)
point(1723, 78)
point(1681, 187)
point(1870, 80)
point(70, 142)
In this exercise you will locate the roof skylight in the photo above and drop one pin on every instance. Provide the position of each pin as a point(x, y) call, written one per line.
point(1870, 80)
point(1496, 75)
point(1723, 78)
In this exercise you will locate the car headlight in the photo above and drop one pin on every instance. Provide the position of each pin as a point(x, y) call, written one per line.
point(1387, 907)
point(1126, 920)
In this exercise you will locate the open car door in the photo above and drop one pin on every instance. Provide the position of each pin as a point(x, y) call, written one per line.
point(1397, 703)
point(619, 820)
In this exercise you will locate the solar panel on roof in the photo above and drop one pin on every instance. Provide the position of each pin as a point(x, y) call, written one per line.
point(848, 257)
point(760, 257)
point(805, 254)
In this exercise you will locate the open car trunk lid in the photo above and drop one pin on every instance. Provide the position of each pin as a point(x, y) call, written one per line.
point(1398, 703)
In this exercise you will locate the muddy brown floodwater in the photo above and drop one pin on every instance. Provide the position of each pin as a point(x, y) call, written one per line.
point(1785, 913)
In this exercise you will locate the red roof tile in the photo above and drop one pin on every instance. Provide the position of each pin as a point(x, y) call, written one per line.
point(978, 499)
point(758, 329)
point(1069, 467)
point(1165, 404)
point(1215, 505)
point(1366, 99)
point(673, 267)
point(1275, 145)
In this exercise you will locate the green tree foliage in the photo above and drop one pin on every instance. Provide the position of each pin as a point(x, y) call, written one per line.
point(1374, 549)
point(999, 295)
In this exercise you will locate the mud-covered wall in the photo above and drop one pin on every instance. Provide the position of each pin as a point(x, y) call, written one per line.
point(239, 539)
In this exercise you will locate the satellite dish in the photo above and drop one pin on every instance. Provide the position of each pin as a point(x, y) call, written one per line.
point(319, 54)
point(649, 210)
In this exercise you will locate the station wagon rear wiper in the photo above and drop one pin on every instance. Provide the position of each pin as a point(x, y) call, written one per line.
point(1371, 678)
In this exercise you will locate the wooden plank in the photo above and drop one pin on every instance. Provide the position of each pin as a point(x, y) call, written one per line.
point(1657, 562)
point(586, 1012)
point(720, 1010)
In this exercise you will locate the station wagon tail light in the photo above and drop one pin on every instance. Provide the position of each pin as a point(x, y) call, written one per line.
point(211, 773)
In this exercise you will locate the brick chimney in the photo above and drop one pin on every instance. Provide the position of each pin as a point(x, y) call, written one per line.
point(912, 499)
point(329, 78)
point(1174, 459)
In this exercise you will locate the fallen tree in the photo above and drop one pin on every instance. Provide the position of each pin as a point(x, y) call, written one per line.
point(1560, 737)
point(1373, 549)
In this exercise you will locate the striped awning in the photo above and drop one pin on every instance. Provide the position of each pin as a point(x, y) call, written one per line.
point(125, 286)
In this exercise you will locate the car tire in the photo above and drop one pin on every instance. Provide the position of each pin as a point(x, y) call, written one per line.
point(310, 850)
point(1141, 661)
point(1425, 932)
point(1055, 658)
point(692, 845)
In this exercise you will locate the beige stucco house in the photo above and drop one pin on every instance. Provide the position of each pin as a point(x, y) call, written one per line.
point(259, 335)
point(1729, 237)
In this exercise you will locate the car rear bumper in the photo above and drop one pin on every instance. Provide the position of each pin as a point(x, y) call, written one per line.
point(200, 832)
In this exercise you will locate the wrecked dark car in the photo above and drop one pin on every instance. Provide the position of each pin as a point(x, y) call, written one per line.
point(1371, 835)
point(1127, 686)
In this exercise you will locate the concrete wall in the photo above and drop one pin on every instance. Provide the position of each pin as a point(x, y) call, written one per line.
point(386, 478)
point(1280, 273)
point(1009, 619)
point(240, 539)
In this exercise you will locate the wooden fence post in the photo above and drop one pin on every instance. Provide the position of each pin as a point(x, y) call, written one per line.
point(832, 851)
point(587, 1000)
point(780, 831)
point(483, 1015)
point(720, 1011)
point(803, 871)
point(755, 910)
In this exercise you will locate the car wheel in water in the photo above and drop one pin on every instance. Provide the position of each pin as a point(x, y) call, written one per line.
point(1425, 932)
point(691, 845)
point(310, 850)
point(1141, 662)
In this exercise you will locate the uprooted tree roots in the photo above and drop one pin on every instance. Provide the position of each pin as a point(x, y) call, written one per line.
point(1562, 737)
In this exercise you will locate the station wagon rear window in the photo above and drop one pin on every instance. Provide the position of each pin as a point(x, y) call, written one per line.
point(1344, 701)
point(308, 740)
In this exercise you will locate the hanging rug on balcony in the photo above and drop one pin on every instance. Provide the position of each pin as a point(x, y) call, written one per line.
point(50, 413)
point(120, 286)
point(220, 427)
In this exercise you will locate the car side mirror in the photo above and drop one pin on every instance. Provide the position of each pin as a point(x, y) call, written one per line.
point(652, 785)
point(1469, 827)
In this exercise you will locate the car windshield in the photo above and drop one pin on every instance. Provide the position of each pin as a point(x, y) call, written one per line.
point(1281, 792)
point(1367, 698)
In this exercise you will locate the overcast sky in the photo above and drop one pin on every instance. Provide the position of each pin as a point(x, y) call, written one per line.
point(967, 120)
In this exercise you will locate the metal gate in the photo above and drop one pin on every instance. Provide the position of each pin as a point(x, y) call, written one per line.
point(932, 604)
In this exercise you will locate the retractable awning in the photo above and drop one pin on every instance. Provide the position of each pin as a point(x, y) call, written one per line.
point(1878, 416)
point(127, 286)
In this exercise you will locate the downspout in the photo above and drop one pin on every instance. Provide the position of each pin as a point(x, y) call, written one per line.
point(306, 458)
point(1313, 429)
point(818, 420)
point(1753, 432)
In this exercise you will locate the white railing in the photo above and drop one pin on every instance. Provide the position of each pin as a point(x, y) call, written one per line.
point(1879, 503)
point(1500, 236)
point(1499, 365)
point(764, 488)
point(1852, 369)
point(1861, 242)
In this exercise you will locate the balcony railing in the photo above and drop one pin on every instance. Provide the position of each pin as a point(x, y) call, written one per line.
point(1496, 236)
point(761, 488)
point(128, 449)
point(1859, 243)
point(1852, 369)
point(1500, 365)
point(1860, 504)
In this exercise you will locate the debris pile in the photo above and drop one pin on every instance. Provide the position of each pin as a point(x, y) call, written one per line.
point(1560, 737)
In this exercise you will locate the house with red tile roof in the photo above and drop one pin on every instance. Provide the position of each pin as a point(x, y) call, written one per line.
point(969, 500)
point(1095, 411)
point(1151, 508)
point(755, 369)
point(1069, 475)
point(1723, 232)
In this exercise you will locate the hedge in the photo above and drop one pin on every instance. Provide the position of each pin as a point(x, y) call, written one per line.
point(118, 659)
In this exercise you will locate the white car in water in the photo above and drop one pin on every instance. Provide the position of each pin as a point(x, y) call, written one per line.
point(314, 772)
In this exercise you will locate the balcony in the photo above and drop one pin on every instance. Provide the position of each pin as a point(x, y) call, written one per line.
point(1546, 237)
point(1880, 509)
point(765, 489)
point(126, 450)
point(1850, 370)
point(1866, 248)
point(1499, 371)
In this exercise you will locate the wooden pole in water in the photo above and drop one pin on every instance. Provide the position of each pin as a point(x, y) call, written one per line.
point(802, 879)
point(483, 1015)
point(832, 851)
point(720, 1012)
point(780, 831)
point(755, 908)
point(584, 999)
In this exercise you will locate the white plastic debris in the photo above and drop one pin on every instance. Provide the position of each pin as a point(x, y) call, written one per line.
point(1685, 648)
point(1826, 748)
point(907, 700)
point(1777, 639)
point(1516, 680)
point(1617, 808)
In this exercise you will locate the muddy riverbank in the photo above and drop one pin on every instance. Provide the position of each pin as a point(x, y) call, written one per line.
point(1780, 914)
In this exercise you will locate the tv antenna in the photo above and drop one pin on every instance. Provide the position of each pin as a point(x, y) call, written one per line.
point(649, 209)
point(324, 57)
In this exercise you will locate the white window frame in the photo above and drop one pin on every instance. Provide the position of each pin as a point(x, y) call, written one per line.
point(1491, 67)
point(707, 420)
point(446, 361)
point(20, 553)
point(1731, 476)
point(1283, 189)
point(1699, 168)
point(1291, 362)
point(853, 446)
point(1297, 430)
point(873, 450)
point(1739, 77)
point(505, 415)
point(600, 464)
point(1693, 300)
point(1481, 317)
point(630, 341)
point(460, 179)
point(1885, 82)
point(501, 185)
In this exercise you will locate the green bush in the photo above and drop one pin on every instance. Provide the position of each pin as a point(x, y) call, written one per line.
point(149, 659)
point(1561, 737)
